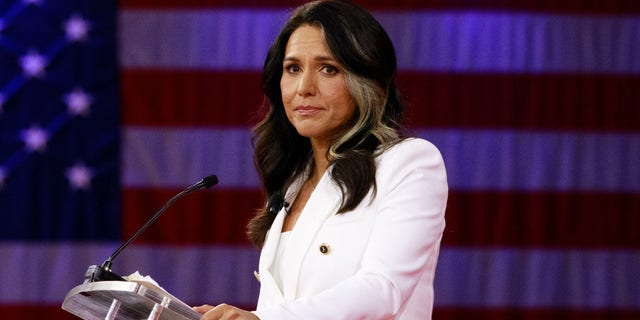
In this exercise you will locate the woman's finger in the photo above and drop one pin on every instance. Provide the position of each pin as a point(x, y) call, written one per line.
point(202, 309)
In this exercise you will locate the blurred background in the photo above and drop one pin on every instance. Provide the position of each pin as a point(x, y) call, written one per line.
point(107, 109)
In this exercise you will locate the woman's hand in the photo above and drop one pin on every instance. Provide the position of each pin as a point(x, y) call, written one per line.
point(224, 312)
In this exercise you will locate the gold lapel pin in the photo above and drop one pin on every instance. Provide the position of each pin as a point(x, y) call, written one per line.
point(325, 248)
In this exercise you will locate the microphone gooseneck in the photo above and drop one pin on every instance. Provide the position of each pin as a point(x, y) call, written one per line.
point(104, 272)
point(275, 203)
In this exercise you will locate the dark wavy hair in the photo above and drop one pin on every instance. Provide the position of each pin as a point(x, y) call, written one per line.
point(362, 47)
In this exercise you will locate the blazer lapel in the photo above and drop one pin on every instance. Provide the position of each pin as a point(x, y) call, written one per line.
point(267, 283)
point(322, 204)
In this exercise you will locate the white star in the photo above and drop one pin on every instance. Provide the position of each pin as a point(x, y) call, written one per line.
point(76, 28)
point(3, 176)
point(35, 138)
point(79, 176)
point(78, 102)
point(33, 64)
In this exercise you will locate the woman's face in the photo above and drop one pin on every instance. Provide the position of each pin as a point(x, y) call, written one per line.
point(314, 91)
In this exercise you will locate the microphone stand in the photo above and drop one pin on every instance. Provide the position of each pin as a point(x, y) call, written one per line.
point(103, 272)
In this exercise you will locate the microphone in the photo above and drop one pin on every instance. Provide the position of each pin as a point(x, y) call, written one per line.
point(275, 203)
point(103, 273)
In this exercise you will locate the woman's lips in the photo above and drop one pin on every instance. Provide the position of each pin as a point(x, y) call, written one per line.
point(306, 110)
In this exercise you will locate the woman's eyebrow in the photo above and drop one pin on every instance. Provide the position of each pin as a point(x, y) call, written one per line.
point(318, 58)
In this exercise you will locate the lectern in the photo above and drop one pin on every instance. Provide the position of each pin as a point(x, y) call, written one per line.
point(106, 295)
point(125, 300)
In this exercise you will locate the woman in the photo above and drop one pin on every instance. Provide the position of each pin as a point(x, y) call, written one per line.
point(361, 235)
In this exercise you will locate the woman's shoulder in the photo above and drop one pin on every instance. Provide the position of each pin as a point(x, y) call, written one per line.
point(413, 161)
point(409, 148)
point(409, 155)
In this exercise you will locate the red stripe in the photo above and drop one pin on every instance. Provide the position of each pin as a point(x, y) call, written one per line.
point(532, 314)
point(519, 101)
point(558, 102)
point(35, 311)
point(543, 219)
point(585, 220)
point(190, 98)
point(54, 312)
point(565, 6)
point(208, 217)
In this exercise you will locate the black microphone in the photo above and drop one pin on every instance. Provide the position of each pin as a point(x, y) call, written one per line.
point(275, 203)
point(103, 272)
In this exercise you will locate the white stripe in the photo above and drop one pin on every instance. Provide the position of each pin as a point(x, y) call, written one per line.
point(566, 279)
point(512, 42)
point(464, 278)
point(205, 39)
point(475, 159)
point(165, 157)
point(428, 41)
point(44, 273)
point(528, 160)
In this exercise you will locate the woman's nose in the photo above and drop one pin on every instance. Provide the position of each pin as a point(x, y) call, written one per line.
point(307, 84)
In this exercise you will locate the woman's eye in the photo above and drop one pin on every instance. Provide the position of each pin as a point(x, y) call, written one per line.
point(329, 69)
point(292, 68)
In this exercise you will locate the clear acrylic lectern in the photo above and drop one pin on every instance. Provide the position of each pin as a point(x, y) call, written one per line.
point(125, 300)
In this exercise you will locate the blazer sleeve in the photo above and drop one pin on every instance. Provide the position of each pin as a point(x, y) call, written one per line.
point(409, 220)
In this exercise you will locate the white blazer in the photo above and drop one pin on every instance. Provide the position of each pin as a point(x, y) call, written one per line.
point(375, 262)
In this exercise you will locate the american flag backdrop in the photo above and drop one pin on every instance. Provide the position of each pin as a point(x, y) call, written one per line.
point(108, 109)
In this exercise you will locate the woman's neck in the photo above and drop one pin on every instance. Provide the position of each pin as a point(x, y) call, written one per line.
point(320, 160)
